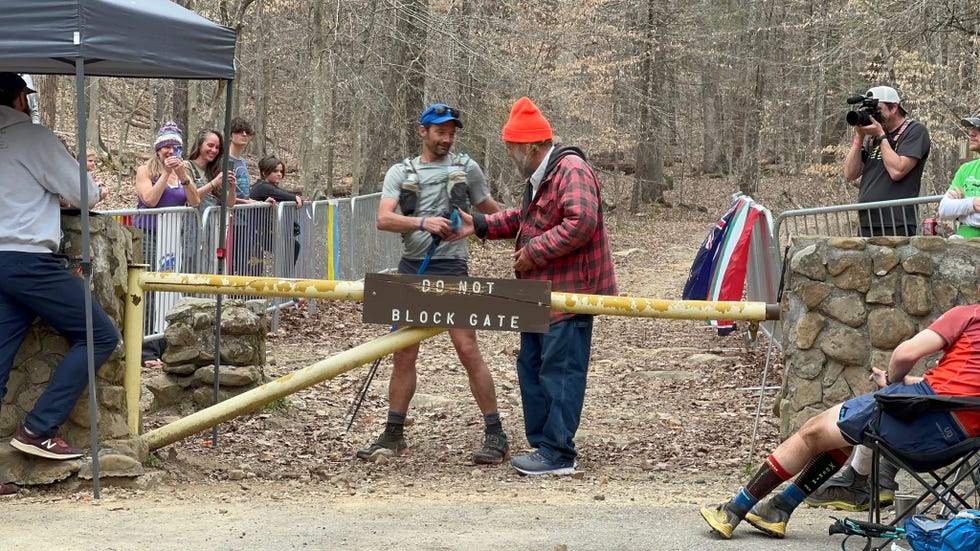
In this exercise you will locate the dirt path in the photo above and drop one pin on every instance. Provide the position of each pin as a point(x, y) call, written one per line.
point(667, 426)
point(529, 515)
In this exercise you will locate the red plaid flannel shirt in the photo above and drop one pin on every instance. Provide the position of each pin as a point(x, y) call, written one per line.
point(563, 231)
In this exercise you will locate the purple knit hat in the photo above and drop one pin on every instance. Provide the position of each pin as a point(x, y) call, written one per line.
point(168, 135)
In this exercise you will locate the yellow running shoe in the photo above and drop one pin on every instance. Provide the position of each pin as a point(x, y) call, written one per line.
point(721, 518)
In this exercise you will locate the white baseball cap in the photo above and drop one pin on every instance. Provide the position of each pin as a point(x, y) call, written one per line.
point(886, 94)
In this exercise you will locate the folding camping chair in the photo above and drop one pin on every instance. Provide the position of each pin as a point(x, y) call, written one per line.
point(948, 469)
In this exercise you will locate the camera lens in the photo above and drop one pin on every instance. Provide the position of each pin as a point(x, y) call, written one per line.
point(857, 118)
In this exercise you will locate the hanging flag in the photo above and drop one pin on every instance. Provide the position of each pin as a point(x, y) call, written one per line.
point(719, 268)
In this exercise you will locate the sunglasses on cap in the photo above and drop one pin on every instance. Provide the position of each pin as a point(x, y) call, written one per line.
point(441, 110)
point(439, 113)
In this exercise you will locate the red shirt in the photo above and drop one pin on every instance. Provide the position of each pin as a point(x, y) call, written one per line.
point(563, 230)
point(958, 372)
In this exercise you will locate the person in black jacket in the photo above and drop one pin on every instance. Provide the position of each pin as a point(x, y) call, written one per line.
point(271, 172)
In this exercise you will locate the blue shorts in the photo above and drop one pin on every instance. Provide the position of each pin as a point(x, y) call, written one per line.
point(927, 433)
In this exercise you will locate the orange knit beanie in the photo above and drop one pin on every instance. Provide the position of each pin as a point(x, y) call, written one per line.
point(526, 124)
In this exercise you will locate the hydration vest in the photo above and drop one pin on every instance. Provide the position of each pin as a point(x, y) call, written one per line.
point(454, 186)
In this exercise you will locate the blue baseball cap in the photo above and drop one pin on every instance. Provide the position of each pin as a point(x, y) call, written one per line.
point(438, 113)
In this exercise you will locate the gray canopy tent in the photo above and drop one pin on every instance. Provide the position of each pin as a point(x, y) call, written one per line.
point(114, 38)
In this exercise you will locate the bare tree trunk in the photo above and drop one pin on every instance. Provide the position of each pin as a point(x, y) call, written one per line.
point(125, 156)
point(816, 122)
point(312, 161)
point(232, 15)
point(47, 88)
point(748, 175)
point(402, 77)
point(262, 88)
point(649, 158)
point(180, 114)
point(358, 121)
point(412, 57)
point(331, 130)
point(195, 121)
point(713, 155)
point(216, 114)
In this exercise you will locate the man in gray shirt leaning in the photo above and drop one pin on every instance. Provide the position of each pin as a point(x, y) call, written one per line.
point(34, 279)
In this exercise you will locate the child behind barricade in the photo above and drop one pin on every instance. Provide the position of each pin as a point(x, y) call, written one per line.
point(271, 172)
point(90, 167)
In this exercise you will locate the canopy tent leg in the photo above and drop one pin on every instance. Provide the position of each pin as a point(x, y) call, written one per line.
point(93, 407)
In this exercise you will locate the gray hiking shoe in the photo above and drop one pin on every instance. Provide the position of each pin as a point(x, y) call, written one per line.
point(388, 445)
point(887, 484)
point(494, 451)
point(769, 517)
point(847, 491)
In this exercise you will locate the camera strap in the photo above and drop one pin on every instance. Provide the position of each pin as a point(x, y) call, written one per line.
point(898, 133)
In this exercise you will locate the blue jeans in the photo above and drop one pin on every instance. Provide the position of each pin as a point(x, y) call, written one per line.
point(38, 284)
point(552, 369)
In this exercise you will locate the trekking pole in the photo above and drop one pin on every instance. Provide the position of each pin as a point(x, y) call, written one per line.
point(765, 372)
point(455, 221)
point(356, 406)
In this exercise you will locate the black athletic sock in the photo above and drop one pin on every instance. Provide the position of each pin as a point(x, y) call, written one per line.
point(820, 469)
point(396, 423)
point(493, 424)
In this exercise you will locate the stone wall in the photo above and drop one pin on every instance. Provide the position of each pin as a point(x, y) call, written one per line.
point(850, 301)
point(186, 382)
point(43, 348)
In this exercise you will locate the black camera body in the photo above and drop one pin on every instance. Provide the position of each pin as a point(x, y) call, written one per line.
point(862, 116)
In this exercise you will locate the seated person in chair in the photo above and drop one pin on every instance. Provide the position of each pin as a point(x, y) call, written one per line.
point(823, 443)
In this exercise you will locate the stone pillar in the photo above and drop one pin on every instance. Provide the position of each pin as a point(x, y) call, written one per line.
point(850, 301)
point(186, 382)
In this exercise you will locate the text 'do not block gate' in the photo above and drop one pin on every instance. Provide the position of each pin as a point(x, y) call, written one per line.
point(458, 302)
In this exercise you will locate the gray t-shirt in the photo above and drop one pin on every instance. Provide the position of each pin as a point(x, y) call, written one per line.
point(242, 184)
point(433, 199)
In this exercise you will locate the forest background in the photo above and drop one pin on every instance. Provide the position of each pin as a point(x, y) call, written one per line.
point(655, 91)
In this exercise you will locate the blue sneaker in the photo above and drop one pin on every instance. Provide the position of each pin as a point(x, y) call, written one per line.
point(535, 463)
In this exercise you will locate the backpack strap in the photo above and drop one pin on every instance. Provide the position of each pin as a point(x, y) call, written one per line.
point(460, 159)
point(408, 196)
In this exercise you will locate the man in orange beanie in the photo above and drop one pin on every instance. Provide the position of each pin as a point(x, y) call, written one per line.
point(560, 237)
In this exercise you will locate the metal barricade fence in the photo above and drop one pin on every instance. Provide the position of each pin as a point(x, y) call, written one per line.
point(250, 232)
point(769, 241)
point(170, 244)
point(376, 251)
point(331, 239)
point(765, 262)
point(315, 242)
point(354, 246)
point(845, 220)
point(331, 218)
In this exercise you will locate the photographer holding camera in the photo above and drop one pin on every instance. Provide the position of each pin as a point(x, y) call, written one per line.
point(888, 154)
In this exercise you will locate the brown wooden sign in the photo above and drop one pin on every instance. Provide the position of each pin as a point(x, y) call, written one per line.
point(458, 302)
